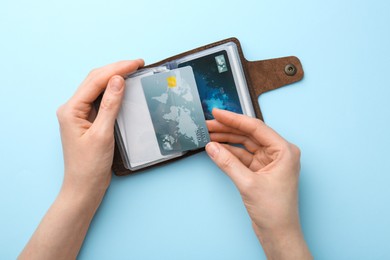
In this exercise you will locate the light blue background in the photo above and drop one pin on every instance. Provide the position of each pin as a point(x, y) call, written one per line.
point(338, 115)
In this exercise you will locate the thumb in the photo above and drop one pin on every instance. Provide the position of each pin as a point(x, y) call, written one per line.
point(228, 163)
point(110, 104)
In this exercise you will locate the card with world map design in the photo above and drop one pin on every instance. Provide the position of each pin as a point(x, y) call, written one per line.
point(176, 111)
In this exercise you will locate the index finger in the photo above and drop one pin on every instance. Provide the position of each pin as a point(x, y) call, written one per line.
point(97, 79)
point(252, 127)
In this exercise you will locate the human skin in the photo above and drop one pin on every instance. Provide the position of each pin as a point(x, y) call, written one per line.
point(88, 148)
point(265, 170)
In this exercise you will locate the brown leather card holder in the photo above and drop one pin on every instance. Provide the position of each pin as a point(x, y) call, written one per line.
point(261, 76)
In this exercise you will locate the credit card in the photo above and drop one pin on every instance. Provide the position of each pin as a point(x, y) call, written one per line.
point(175, 110)
point(215, 83)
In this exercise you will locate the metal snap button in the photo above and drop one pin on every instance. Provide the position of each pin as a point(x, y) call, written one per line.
point(290, 70)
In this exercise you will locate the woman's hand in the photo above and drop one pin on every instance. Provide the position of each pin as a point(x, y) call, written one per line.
point(265, 169)
point(87, 138)
point(88, 146)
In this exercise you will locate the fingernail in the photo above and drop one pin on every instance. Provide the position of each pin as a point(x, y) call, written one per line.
point(116, 84)
point(141, 62)
point(212, 149)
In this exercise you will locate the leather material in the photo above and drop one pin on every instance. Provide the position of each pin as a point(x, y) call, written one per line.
point(266, 75)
